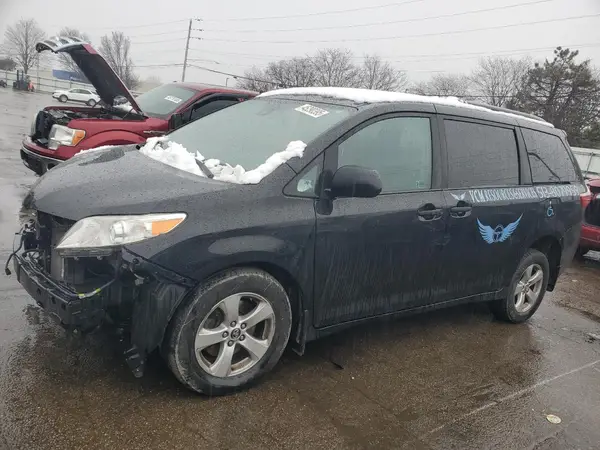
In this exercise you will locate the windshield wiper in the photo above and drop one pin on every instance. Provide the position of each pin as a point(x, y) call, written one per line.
point(205, 170)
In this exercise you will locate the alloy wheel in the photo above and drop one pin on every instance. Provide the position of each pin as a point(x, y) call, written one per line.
point(235, 334)
point(529, 288)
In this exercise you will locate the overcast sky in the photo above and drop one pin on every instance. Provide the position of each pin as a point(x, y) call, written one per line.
point(232, 30)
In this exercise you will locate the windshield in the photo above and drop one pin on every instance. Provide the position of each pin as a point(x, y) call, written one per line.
point(250, 132)
point(160, 102)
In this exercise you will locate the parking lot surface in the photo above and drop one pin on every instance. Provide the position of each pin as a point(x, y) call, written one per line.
point(452, 379)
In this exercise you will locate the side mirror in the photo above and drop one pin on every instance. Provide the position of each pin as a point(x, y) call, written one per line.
point(355, 181)
point(179, 119)
point(175, 121)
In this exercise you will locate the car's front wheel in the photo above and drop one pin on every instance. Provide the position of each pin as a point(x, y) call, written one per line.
point(527, 289)
point(63, 98)
point(91, 102)
point(230, 332)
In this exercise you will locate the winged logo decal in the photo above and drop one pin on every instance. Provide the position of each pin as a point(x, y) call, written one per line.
point(499, 233)
point(460, 197)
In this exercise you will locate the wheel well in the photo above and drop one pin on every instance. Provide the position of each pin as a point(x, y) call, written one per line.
point(292, 287)
point(550, 246)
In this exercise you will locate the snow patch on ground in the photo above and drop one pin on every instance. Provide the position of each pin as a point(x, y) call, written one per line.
point(374, 96)
point(175, 155)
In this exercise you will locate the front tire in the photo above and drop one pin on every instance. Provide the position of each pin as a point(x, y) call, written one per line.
point(91, 103)
point(526, 290)
point(230, 332)
point(63, 99)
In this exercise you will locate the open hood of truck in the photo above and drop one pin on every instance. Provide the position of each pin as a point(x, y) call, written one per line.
point(95, 68)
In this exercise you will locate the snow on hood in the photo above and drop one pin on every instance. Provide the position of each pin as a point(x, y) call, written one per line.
point(176, 155)
point(96, 149)
point(374, 96)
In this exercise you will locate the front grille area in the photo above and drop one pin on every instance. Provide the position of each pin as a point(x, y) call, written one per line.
point(49, 231)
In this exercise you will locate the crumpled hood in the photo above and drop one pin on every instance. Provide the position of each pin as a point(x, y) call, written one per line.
point(118, 180)
point(95, 68)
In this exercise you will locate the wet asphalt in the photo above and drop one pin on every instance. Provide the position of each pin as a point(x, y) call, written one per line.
point(453, 379)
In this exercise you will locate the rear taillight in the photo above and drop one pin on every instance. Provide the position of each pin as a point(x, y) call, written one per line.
point(586, 198)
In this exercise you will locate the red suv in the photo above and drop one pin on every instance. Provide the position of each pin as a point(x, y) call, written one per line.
point(590, 231)
point(59, 132)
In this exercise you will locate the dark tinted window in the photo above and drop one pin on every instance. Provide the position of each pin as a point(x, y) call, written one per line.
point(162, 101)
point(211, 107)
point(481, 155)
point(548, 158)
point(250, 132)
point(399, 149)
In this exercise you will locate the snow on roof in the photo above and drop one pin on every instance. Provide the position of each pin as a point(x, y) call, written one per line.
point(176, 155)
point(373, 96)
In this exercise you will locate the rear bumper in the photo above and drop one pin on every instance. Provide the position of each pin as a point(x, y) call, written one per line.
point(590, 237)
point(38, 163)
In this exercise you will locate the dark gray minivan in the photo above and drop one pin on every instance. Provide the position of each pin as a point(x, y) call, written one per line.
point(397, 203)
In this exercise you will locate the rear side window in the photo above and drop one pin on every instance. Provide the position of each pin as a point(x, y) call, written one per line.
point(548, 158)
point(398, 148)
point(211, 107)
point(481, 155)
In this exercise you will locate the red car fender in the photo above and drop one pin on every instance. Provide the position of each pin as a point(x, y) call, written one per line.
point(112, 137)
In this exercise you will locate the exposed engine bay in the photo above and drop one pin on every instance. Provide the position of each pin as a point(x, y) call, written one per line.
point(46, 118)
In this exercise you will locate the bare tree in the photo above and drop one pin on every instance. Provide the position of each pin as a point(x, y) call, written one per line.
point(295, 72)
point(256, 79)
point(497, 80)
point(445, 85)
point(334, 67)
point(65, 60)
point(378, 74)
point(330, 67)
point(115, 48)
point(19, 43)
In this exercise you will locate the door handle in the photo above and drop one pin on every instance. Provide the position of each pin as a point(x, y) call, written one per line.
point(460, 212)
point(429, 212)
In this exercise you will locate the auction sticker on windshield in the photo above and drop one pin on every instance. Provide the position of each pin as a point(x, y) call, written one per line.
point(311, 110)
point(173, 99)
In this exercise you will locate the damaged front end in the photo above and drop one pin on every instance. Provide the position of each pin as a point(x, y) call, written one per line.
point(101, 287)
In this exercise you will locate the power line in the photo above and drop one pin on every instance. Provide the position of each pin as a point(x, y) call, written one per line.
point(509, 52)
point(421, 19)
point(443, 33)
point(158, 42)
point(338, 11)
point(116, 27)
point(156, 34)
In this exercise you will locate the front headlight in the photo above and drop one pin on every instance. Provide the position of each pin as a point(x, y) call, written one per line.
point(110, 231)
point(33, 125)
point(61, 135)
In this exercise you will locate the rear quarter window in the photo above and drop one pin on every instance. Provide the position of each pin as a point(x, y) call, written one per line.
point(481, 155)
point(549, 158)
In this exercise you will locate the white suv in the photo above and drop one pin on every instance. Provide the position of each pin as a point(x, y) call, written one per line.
point(86, 96)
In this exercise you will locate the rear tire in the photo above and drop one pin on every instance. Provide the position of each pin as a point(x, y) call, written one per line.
point(526, 290)
point(226, 310)
point(63, 99)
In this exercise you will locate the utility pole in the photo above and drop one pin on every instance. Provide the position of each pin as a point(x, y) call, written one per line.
point(187, 47)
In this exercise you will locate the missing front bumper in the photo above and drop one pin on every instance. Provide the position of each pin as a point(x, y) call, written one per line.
point(82, 314)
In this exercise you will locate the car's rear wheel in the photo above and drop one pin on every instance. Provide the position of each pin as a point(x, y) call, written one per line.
point(526, 290)
point(232, 331)
point(91, 102)
point(63, 98)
